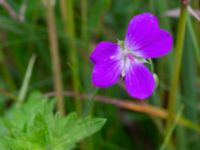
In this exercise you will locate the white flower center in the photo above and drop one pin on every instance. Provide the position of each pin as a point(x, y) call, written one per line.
point(127, 58)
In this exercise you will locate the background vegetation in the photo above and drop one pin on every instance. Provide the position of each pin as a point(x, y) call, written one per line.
point(45, 46)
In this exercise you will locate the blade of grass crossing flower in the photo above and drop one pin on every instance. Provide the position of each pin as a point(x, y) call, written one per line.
point(171, 129)
point(24, 88)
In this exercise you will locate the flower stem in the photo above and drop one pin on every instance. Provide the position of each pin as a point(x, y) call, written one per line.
point(177, 68)
point(55, 57)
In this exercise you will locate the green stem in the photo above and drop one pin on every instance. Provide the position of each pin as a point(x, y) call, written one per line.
point(177, 68)
point(90, 103)
point(67, 12)
point(57, 76)
point(171, 129)
point(24, 88)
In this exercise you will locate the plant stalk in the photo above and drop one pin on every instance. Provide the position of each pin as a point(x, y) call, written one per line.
point(178, 59)
point(24, 88)
point(172, 127)
point(67, 12)
point(56, 66)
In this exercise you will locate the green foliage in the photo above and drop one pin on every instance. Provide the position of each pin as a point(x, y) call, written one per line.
point(34, 126)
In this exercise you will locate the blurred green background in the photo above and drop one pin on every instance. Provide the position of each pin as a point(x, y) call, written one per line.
point(71, 29)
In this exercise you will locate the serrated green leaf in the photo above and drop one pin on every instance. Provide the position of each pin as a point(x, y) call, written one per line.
point(33, 125)
point(81, 130)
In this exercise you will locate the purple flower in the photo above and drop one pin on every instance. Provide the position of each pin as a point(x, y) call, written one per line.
point(144, 39)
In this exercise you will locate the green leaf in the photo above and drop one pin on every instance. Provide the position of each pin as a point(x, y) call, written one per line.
point(82, 129)
point(33, 125)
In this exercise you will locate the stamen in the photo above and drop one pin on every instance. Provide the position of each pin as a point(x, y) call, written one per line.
point(127, 57)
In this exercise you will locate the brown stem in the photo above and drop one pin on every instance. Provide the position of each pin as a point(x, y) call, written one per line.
point(133, 106)
point(10, 10)
point(55, 57)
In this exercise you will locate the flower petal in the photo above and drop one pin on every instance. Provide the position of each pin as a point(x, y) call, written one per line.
point(106, 73)
point(146, 39)
point(139, 80)
point(103, 51)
